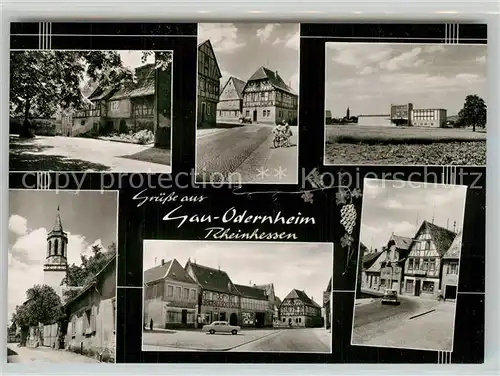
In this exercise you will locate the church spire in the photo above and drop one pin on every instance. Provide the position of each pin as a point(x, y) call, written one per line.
point(348, 113)
point(58, 223)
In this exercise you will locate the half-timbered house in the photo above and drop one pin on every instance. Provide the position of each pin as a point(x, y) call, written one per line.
point(451, 265)
point(267, 99)
point(170, 296)
point(230, 106)
point(125, 107)
point(298, 310)
point(254, 305)
point(209, 76)
point(219, 299)
point(423, 265)
point(392, 268)
point(272, 310)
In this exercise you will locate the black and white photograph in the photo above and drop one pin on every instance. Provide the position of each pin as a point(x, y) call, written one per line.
point(247, 103)
point(405, 104)
point(91, 110)
point(408, 266)
point(61, 291)
point(237, 296)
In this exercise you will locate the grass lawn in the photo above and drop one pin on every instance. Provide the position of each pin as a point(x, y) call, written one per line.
point(352, 144)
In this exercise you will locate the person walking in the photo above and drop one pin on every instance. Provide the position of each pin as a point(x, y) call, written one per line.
point(151, 324)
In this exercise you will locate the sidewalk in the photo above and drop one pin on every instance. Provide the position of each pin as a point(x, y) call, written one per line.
point(44, 355)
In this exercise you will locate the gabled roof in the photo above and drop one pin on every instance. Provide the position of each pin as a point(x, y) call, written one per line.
point(212, 279)
point(441, 237)
point(455, 249)
point(401, 242)
point(144, 86)
point(238, 84)
point(251, 292)
point(274, 78)
point(277, 301)
point(368, 257)
point(329, 287)
point(171, 269)
point(110, 264)
point(302, 296)
point(156, 273)
point(376, 263)
point(207, 42)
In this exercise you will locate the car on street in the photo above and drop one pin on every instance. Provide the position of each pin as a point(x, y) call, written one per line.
point(221, 327)
point(390, 297)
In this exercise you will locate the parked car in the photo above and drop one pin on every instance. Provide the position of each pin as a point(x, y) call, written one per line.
point(221, 327)
point(390, 297)
point(245, 120)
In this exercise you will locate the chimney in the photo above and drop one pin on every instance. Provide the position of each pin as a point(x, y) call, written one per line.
point(454, 226)
point(250, 283)
point(277, 75)
point(162, 262)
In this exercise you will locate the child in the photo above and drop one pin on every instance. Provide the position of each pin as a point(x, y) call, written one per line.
point(287, 131)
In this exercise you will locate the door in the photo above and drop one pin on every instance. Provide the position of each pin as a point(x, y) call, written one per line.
point(184, 316)
point(222, 316)
point(417, 287)
point(450, 292)
point(233, 319)
point(203, 110)
point(254, 115)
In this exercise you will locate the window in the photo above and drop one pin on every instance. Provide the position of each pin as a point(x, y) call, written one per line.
point(300, 319)
point(410, 264)
point(56, 247)
point(428, 286)
point(170, 291)
point(284, 320)
point(202, 84)
point(453, 269)
point(115, 105)
point(264, 112)
point(177, 292)
point(186, 294)
point(409, 286)
point(425, 265)
point(427, 245)
point(193, 294)
point(417, 264)
point(432, 265)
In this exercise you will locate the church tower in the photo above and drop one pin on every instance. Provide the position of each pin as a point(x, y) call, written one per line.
point(348, 113)
point(56, 263)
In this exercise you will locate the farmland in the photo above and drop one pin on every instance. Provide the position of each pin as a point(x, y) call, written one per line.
point(353, 144)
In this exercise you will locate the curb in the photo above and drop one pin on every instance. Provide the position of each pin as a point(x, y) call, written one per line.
point(421, 314)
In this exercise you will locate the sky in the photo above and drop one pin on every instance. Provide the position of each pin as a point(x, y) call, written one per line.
point(132, 59)
point(303, 266)
point(87, 217)
point(369, 77)
point(242, 48)
point(394, 206)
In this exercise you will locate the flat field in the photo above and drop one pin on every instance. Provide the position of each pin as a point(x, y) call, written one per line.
point(353, 144)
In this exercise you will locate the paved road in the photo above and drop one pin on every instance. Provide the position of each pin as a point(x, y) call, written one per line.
point(44, 355)
point(292, 340)
point(381, 325)
point(80, 154)
point(245, 154)
point(301, 340)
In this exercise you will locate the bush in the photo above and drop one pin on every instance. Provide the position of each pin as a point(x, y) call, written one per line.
point(144, 137)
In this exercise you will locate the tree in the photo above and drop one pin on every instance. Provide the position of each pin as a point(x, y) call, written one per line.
point(43, 82)
point(473, 113)
point(82, 275)
point(43, 305)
